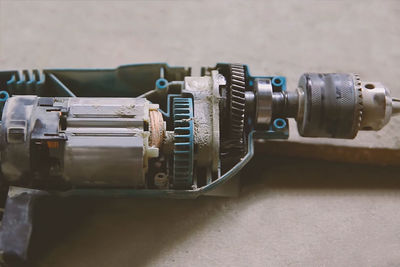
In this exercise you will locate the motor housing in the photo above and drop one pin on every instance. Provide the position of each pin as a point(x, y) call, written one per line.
point(92, 142)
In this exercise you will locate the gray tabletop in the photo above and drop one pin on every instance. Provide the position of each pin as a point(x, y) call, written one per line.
point(291, 213)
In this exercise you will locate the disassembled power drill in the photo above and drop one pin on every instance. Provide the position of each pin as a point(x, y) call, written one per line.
point(154, 130)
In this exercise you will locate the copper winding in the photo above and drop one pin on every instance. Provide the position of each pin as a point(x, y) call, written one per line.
point(156, 128)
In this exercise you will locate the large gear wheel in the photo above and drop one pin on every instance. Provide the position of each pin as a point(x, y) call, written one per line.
point(233, 142)
point(183, 143)
point(236, 99)
point(233, 111)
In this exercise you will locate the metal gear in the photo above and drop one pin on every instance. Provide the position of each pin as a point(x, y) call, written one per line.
point(237, 102)
point(233, 110)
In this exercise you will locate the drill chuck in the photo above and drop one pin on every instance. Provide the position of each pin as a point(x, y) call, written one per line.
point(333, 105)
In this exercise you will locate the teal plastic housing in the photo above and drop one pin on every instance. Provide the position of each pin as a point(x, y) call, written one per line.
point(137, 80)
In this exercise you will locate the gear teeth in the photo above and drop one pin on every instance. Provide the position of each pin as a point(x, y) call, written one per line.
point(183, 143)
point(233, 142)
point(359, 106)
point(237, 107)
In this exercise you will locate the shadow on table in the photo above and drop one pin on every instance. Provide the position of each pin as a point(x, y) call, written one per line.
point(131, 232)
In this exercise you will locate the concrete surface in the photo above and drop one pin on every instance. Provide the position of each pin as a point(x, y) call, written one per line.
point(292, 213)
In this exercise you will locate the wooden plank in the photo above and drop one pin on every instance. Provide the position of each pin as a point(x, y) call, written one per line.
point(363, 155)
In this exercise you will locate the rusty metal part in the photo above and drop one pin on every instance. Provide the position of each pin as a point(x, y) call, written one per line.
point(157, 131)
